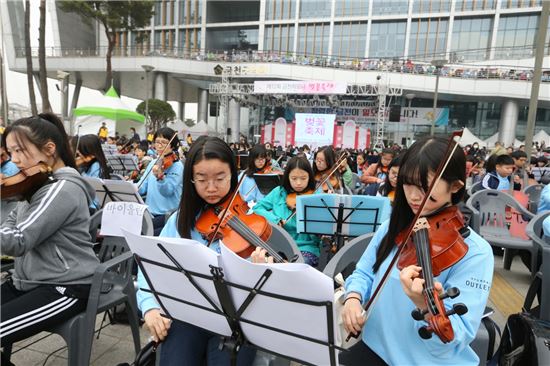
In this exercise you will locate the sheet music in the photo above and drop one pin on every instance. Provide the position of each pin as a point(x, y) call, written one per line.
point(118, 216)
point(290, 279)
point(192, 256)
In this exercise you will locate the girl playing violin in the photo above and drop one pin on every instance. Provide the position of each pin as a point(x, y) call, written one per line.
point(47, 233)
point(280, 203)
point(210, 176)
point(162, 179)
point(376, 173)
point(390, 335)
point(258, 163)
point(387, 189)
point(323, 161)
point(90, 159)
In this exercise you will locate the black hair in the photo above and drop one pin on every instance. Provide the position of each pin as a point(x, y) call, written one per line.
point(420, 159)
point(191, 204)
point(386, 188)
point(168, 133)
point(41, 129)
point(258, 151)
point(388, 151)
point(504, 160)
point(330, 158)
point(143, 145)
point(89, 145)
point(299, 162)
point(518, 154)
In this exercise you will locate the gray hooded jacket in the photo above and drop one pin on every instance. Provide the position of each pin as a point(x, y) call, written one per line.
point(49, 236)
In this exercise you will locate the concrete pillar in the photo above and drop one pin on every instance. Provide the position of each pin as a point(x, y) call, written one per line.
point(161, 84)
point(234, 120)
point(508, 122)
point(181, 110)
point(202, 108)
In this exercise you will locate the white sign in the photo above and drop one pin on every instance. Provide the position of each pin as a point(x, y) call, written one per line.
point(299, 87)
point(362, 139)
point(280, 132)
point(348, 140)
point(314, 129)
point(122, 215)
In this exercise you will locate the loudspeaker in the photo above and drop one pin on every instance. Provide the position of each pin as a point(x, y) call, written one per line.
point(229, 131)
point(279, 112)
point(395, 113)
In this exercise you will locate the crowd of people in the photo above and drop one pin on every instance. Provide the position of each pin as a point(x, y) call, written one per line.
point(47, 231)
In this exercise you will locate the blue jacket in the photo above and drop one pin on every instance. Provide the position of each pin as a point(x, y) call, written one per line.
point(546, 226)
point(93, 171)
point(544, 203)
point(145, 300)
point(249, 190)
point(273, 207)
point(392, 333)
point(9, 168)
point(163, 195)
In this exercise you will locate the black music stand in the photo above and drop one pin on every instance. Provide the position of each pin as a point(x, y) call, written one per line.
point(108, 190)
point(215, 297)
point(339, 216)
point(267, 182)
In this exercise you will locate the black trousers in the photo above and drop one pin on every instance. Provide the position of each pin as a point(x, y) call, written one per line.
point(26, 313)
point(360, 354)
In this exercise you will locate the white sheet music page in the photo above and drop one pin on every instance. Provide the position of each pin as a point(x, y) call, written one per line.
point(122, 215)
point(296, 280)
point(172, 285)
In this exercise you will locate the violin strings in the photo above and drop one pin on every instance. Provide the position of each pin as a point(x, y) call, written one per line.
point(242, 229)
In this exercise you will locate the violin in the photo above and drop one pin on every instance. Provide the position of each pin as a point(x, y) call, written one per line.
point(435, 243)
point(291, 198)
point(25, 183)
point(267, 169)
point(332, 180)
point(164, 163)
point(81, 160)
point(240, 232)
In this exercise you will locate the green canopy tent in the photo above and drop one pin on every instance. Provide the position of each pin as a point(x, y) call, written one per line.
point(111, 110)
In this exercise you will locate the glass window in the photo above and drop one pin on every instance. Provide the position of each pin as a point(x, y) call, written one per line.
point(469, 5)
point(314, 9)
point(471, 39)
point(431, 6)
point(428, 37)
point(386, 43)
point(157, 12)
point(349, 39)
point(516, 36)
point(313, 39)
point(280, 9)
point(279, 38)
point(190, 11)
point(232, 39)
point(345, 8)
point(222, 12)
point(390, 7)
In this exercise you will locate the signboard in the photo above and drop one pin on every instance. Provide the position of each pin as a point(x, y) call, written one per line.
point(279, 138)
point(362, 138)
point(299, 87)
point(314, 129)
point(348, 136)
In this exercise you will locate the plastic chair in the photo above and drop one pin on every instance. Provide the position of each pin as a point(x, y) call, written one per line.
point(115, 176)
point(112, 285)
point(357, 185)
point(281, 241)
point(489, 220)
point(535, 232)
point(476, 187)
point(348, 254)
point(533, 191)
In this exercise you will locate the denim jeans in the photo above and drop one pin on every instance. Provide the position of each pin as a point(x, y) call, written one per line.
point(188, 345)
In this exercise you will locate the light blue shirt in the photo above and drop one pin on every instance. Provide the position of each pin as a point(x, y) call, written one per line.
point(544, 202)
point(249, 190)
point(145, 300)
point(163, 196)
point(93, 171)
point(546, 226)
point(9, 168)
point(392, 333)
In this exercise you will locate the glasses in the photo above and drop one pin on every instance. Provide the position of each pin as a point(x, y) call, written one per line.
point(203, 183)
point(161, 142)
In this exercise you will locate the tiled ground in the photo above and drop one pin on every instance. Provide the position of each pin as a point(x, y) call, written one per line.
point(115, 345)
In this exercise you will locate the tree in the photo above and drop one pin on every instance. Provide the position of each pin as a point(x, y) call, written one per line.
point(189, 122)
point(42, 73)
point(160, 113)
point(115, 16)
point(28, 56)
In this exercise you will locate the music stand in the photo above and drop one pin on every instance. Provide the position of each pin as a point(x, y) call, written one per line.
point(242, 161)
point(267, 182)
point(340, 216)
point(109, 149)
point(230, 296)
point(108, 190)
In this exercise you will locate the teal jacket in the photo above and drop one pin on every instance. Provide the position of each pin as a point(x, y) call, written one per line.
point(273, 207)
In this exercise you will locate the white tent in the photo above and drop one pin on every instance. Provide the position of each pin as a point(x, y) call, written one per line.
point(542, 136)
point(490, 142)
point(468, 138)
point(200, 129)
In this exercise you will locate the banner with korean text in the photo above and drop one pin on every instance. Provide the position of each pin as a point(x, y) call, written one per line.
point(299, 87)
point(314, 129)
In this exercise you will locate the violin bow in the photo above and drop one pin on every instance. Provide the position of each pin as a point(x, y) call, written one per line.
point(339, 162)
point(437, 177)
point(224, 213)
point(161, 156)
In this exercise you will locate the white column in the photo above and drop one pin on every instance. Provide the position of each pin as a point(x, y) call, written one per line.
point(508, 122)
point(261, 28)
point(331, 30)
point(408, 30)
point(181, 110)
point(202, 108)
point(495, 31)
point(160, 86)
point(234, 120)
point(369, 25)
point(450, 30)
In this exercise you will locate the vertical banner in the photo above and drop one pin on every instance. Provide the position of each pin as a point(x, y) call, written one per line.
point(279, 137)
point(338, 136)
point(368, 137)
point(362, 139)
point(348, 135)
point(268, 133)
point(290, 129)
point(262, 135)
point(314, 129)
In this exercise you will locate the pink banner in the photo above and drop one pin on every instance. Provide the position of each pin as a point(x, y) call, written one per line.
point(290, 128)
point(268, 133)
point(279, 138)
point(348, 135)
point(299, 87)
point(338, 136)
point(362, 138)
